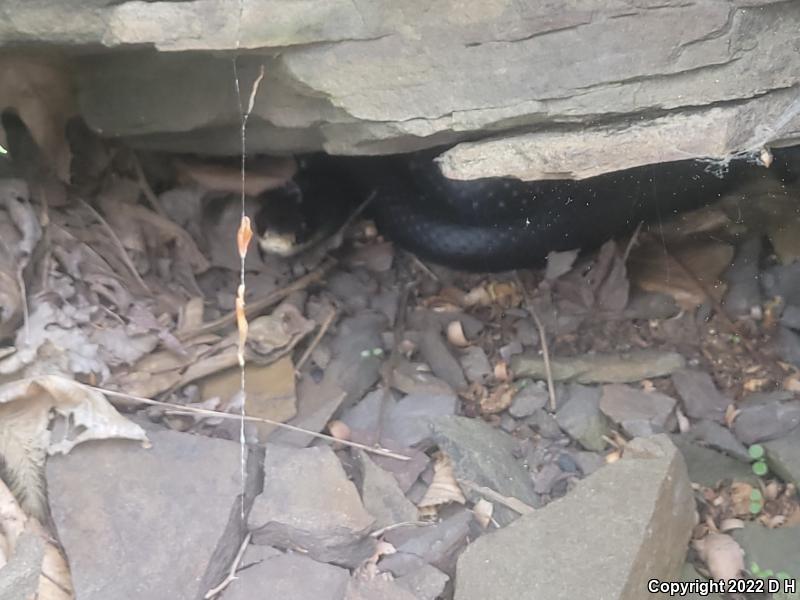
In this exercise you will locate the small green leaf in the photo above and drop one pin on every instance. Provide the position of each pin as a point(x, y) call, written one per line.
point(760, 468)
point(756, 451)
point(755, 495)
point(755, 508)
point(754, 568)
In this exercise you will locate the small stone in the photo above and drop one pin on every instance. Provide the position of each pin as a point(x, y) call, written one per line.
point(288, 576)
point(528, 400)
point(714, 435)
point(382, 495)
point(783, 457)
point(376, 588)
point(581, 418)
point(408, 421)
point(436, 545)
point(426, 583)
point(701, 398)
point(321, 514)
point(567, 464)
point(601, 368)
point(790, 317)
point(638, 412)
point(708, 467)
point(758, 422)
point(475, 364)
point(589, 462)
point(543, 423)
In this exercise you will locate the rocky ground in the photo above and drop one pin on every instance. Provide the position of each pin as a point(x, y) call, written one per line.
point(575, 431)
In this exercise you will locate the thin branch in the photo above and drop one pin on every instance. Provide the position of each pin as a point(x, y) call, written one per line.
point(146, 189)
point(118, 243)
point(515, 504)
point(257, 306)
point(323, 329)
point(232, 573)
point(193, 410)
point(551, 388)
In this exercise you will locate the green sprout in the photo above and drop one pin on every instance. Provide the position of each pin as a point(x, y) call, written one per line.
point(756, 501)
point(759, 466)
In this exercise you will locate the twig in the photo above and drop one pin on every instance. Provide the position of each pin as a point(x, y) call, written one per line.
point(118, 243)
point(232, 573)
point(323, 329)
point(551, 388)
point(632, 242)
point(255, 307)
point(193, 410)
point(515, 504)
point(425, 268)
point(144, 186)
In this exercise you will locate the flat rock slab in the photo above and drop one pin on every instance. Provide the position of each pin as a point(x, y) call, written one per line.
point(309, 503)
point(601, 368)
point(484, 456)
point(708, 467)
point(784, 458)
point(774, 549)
point(623, 525)
point(143, 523)
point(290, 576)
point(701, 398)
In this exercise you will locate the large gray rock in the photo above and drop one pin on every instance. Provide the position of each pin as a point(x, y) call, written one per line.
point(623, 525)
point(144, 523)
point(374, 76)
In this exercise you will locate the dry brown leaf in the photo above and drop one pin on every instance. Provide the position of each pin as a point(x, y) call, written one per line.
point(740, 496)
point(55, 580)
point(444, 488)
point(498, 400)
point(40, 92)
point(455, 335)
point(688, 273)
point(243, 236)
point(722, 555)
point(27, 407)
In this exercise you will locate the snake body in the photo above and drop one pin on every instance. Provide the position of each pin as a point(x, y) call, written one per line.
point(499, 223)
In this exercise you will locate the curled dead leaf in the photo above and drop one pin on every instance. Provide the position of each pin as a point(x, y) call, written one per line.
point(501, 371)
point(455, 335)
point(498, 400)
point(730, 524)
point(483, 510)
point(722, 555)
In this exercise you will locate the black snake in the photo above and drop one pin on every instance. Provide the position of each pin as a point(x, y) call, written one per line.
point(487, 224)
